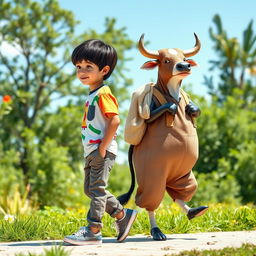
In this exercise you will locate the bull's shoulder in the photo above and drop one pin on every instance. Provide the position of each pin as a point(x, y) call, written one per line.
point(143, 90)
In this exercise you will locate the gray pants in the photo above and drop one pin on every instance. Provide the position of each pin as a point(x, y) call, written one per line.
point(97, 171)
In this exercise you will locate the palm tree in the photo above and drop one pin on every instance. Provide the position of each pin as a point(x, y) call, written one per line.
point(234, 59)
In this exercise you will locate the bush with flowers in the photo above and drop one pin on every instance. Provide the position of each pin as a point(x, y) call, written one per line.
point(5, 105)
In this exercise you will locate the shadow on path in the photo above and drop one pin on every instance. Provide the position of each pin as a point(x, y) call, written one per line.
point(104, 241)
point(38, 244)
point(143, 239)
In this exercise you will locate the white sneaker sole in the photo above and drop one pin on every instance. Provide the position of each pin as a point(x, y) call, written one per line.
point(129, 225)
point(80, 242)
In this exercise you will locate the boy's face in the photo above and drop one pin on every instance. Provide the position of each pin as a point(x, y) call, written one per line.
point(89, 74)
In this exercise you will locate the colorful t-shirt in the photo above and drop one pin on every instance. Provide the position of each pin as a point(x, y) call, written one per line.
point(98, 105)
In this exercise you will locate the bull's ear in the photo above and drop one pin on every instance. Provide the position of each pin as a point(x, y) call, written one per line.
point(192, 62)
point(150, 64)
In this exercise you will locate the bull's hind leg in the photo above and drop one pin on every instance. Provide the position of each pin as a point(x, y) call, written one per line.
point(155, 231)
point(191, 212)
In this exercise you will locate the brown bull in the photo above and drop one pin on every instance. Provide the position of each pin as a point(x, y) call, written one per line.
point(166, 153)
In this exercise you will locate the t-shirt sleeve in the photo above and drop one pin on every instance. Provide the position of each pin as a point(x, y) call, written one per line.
point(108, 105)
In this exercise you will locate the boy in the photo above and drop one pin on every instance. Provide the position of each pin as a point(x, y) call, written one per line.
point(95, 61)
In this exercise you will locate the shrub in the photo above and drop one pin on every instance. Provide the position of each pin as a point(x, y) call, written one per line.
point(215, 187)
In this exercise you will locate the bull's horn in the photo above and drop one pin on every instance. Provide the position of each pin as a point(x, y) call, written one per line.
point(145, 52)
point(195, 50)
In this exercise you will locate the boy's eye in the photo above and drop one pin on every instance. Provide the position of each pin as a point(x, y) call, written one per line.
point(89, 67)
point(84, 68)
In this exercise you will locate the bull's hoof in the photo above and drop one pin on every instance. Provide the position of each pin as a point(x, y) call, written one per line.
point(157, 234)
point(195, 212)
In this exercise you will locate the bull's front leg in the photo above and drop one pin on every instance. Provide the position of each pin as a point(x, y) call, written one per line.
point(192, 110)
point(155, 231)
point(169, 107)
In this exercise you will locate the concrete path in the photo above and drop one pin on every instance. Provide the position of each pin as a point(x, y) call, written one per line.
point(139, 245)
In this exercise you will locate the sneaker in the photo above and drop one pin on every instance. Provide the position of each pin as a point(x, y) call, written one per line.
point(84, 236)
point(124, 225)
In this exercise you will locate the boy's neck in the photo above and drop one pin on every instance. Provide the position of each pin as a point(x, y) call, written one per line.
point(95, 88)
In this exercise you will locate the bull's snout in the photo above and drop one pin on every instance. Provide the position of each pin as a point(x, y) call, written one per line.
point(183, 66)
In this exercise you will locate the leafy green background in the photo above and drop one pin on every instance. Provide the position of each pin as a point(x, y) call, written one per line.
point(41, 158)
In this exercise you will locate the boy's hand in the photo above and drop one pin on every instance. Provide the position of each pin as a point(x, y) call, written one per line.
point(102, 151)
point(113, 122)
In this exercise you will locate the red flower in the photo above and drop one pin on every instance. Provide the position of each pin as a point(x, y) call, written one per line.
point(7, 98)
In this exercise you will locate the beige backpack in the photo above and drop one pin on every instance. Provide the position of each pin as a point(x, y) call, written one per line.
point(139, 112)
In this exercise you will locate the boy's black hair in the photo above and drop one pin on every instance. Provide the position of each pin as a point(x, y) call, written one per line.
point(98, 52)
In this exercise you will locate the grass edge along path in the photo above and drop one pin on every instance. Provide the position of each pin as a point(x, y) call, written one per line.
point(244, 250)
point(55, 223)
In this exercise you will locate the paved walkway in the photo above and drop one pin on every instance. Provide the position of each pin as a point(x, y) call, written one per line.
point(139, 245)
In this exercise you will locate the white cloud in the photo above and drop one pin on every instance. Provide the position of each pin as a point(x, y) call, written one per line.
point(9, 50)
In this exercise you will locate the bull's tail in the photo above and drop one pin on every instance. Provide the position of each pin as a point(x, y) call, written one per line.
point(123, 199)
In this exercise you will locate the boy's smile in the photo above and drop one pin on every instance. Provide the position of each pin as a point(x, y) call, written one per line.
point(89, 74)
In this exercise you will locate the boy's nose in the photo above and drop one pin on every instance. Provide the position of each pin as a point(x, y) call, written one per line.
point(81, 70)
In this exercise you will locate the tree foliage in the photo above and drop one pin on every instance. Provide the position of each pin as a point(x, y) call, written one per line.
point(236, 62)
point(227, 146)
point(40, 140)
point(41, 137)
point(226, 127)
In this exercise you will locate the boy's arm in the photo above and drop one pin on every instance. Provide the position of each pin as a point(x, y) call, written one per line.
point(113, 122)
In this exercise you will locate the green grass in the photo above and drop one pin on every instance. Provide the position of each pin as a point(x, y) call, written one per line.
point(54, 251)
point(54, 223)
point(244, 250)
point(23, 228)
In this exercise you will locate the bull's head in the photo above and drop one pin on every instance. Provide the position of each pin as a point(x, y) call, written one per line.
point(173, 65)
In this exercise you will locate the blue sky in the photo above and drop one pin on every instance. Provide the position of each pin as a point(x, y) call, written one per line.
point(166, 24)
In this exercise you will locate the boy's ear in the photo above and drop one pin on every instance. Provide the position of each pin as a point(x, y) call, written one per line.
point(105, 69)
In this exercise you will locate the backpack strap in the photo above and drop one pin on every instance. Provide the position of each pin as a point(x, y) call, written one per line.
point(185, 96)
point(187, 100)
point(159, 96)
point(169, 119)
